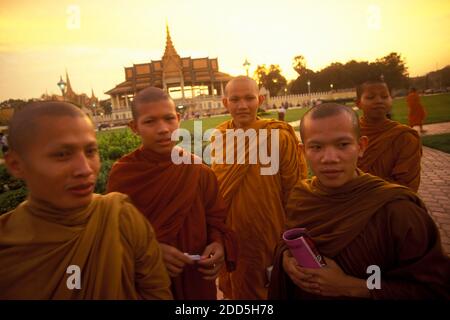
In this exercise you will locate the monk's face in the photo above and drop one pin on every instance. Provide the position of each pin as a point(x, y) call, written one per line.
point(375, 101)
point(61, 163)
point(332, 149)
point(242, 101)
point(155, 123)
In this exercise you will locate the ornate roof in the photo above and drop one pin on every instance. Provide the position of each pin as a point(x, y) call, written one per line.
point(171, 69)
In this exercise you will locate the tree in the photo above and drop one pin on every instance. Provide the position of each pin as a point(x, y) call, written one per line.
point(106, 106)
point(271, 78)
point(299, 65)
point(393, 69)
point(300, 85)
point(261, 74)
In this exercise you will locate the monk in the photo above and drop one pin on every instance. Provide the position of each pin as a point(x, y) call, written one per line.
point(64, 242)
point(395, 150)
point(376, 238)
point(255, 191)
point(182, 201)
point(417, 112)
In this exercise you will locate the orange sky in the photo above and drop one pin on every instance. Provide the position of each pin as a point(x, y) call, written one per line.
point(39, 39)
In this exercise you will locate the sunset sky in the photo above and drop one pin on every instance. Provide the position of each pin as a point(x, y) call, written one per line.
point(40, 39)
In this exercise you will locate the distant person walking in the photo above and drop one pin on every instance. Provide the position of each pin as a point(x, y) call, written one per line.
point(4, 142)
point(416, 110)
point(281, 113)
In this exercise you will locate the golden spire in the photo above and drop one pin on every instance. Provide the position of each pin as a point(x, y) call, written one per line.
point(68, 86)
point(170, 49)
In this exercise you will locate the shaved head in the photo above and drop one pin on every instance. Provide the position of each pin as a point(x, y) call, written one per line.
point(148, 95)
point(25, 122)
point(327, 110)
point(238, 79)
point(362, 86)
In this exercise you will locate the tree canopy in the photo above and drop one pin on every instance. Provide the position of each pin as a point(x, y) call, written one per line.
point(392, 68)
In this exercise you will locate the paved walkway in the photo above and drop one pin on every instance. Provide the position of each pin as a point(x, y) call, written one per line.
point(431, 129)
point(435, 128)
point(435, 182)
point(435, 190)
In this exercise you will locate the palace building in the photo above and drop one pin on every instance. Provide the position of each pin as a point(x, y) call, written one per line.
point(90, 105)
point(195, 84)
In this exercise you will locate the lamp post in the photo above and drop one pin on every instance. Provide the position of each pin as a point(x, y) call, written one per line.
point(62, 85)
point(181, 110)
point(309, 92)
point(285, 96)
point(95, 114)
point(246, 65)
point(331, 87)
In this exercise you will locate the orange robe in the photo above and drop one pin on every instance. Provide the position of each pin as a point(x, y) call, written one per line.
point(368, 222)
point(114, 247)
point(394, 153)
point(256, 209)
point(417, 112)
point(183, 204)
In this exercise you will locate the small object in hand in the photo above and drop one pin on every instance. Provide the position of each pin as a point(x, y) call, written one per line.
point(303, 248)
point(195, 257)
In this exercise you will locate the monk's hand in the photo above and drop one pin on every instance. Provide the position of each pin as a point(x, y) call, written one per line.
point(211, 261)
point(174, 259)
point(331, 281)
point(294, 272)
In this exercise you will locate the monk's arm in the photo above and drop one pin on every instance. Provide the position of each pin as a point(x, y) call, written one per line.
point(216, 214)
point(406, 170)
point(215, 209)
point(150, 274)
point(420, 269)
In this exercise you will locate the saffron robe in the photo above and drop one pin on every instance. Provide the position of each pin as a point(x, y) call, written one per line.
point(368, 222)
point(256, 206)
point(184, 205)
point(394, 153)
point(417, 112)
point(112, 244)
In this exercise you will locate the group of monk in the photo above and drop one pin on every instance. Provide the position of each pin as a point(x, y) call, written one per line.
point(171, 231)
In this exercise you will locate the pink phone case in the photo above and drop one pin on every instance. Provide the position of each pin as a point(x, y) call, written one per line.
point(303, 249)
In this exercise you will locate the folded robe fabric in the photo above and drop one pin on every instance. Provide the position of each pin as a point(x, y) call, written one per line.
point(256, 205)
point(394, 153)
point(112, 244)
point(184, 206)
point(368, 222)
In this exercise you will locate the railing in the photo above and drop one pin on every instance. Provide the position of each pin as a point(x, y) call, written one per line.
point(305, 98)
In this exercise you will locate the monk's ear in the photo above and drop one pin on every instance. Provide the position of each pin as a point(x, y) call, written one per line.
point(133, 126)
point(225, 102)
point(301, 146)
point(14, 164)
point(363, 143)
point(261, 100)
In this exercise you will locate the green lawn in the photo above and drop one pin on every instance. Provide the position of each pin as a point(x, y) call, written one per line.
point(439, 141)
point(213, 122)
point(437, 107)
